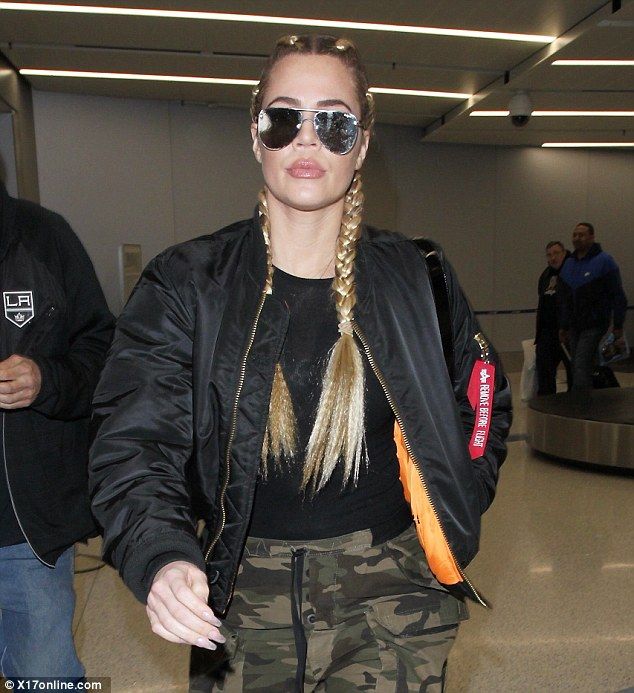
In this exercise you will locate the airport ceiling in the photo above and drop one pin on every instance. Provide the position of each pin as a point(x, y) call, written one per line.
point(485, 71)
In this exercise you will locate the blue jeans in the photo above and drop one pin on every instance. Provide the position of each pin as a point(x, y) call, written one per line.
point(36, 615)
point(584, 345)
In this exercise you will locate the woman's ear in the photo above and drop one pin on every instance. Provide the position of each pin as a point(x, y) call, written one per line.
point(257, 152)
point(363, 150)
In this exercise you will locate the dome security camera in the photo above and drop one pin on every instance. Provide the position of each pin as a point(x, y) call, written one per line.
point(520, 109)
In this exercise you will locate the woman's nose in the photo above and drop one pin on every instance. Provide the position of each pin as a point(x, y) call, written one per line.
point(307, 135)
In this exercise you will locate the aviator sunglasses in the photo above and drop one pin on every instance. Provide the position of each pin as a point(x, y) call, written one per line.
point(336, 130)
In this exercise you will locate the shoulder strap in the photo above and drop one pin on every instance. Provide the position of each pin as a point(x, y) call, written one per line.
point(441, 299)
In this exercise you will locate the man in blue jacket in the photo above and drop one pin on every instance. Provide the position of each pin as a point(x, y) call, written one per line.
point(55, 328)
point(591, 299)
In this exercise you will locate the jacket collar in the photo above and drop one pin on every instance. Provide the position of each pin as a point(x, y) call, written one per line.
point(256, 265)
point(595, 249)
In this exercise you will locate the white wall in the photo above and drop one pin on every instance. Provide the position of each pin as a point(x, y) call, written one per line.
point(157, 173)
point(107, 167)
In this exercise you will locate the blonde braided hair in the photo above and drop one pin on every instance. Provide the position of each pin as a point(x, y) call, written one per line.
point(280, 437)
point(339, 424)
point(338, 431)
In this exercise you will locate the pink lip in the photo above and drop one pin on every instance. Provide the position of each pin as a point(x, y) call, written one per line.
point(305, 168)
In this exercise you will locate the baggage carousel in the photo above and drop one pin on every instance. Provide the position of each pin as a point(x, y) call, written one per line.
point(596, 429)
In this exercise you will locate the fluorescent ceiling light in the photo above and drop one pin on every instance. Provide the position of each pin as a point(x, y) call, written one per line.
point(489, 114)
point(213, 80)
point(557, 114)
point(416, 92)
point(588, 144)
point(129, 76)
point(595, 63)
point(268, 19)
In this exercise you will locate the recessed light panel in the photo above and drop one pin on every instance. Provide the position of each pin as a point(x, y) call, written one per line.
point(139, 77)
point(590, 145)
point(558, 114)
point(594, 63)
point(269, 19)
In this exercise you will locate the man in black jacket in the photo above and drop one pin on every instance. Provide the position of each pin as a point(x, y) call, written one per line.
point(549, 352)
point(54, 333)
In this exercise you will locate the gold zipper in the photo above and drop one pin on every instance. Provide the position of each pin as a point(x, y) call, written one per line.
point(484, 346)
point(366, 347)
point(232, 433)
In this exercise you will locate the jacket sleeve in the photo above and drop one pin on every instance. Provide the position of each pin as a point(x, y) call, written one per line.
point(143, 430)
point(564, 303)
point(466, 352)
point(617, 297)
point(69, 380)
point(538, 312)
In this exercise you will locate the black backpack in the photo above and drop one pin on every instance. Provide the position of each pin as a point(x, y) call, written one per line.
point(602, 377)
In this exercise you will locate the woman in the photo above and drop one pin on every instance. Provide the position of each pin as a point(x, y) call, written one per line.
point(255, 385)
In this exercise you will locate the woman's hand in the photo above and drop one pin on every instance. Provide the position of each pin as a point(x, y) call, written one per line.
point(177, 606)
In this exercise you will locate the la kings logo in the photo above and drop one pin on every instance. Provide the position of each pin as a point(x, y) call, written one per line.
point(18, 307)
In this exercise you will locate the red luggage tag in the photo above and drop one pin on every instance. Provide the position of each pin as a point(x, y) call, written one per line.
point(480, 394)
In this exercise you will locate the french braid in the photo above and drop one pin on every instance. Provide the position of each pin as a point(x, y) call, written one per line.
point(339, 424)
point(280, 437)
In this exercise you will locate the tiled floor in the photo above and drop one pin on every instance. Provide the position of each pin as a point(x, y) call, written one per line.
point(556, 561)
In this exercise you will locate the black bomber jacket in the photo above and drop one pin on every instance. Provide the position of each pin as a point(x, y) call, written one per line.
point(182, 404)
point(56, 314)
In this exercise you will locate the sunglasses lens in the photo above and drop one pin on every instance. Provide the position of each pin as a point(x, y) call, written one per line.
point(277, 127)
point(337, 130)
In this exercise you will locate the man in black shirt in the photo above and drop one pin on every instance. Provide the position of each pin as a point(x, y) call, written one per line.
point(548, 348)
point(55, 329)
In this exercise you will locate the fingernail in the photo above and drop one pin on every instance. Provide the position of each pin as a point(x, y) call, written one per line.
point(217, 636)
point(211, 618)
point(202, 642)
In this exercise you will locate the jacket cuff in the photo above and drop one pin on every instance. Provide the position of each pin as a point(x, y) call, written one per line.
point(47, 396)
point(169, 557)
point(484, 497)
point(148, 558)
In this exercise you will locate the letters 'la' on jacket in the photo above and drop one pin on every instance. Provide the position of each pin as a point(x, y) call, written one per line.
point(182, 406)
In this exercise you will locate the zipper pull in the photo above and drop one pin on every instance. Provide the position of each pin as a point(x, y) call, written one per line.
point(485, 354)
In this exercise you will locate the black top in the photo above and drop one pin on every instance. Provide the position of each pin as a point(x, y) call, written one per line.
point(281, 510)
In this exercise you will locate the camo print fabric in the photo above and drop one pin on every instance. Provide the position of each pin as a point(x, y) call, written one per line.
point(374, 618)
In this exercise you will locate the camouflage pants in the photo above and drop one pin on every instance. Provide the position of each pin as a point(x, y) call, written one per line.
point(337, 615)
